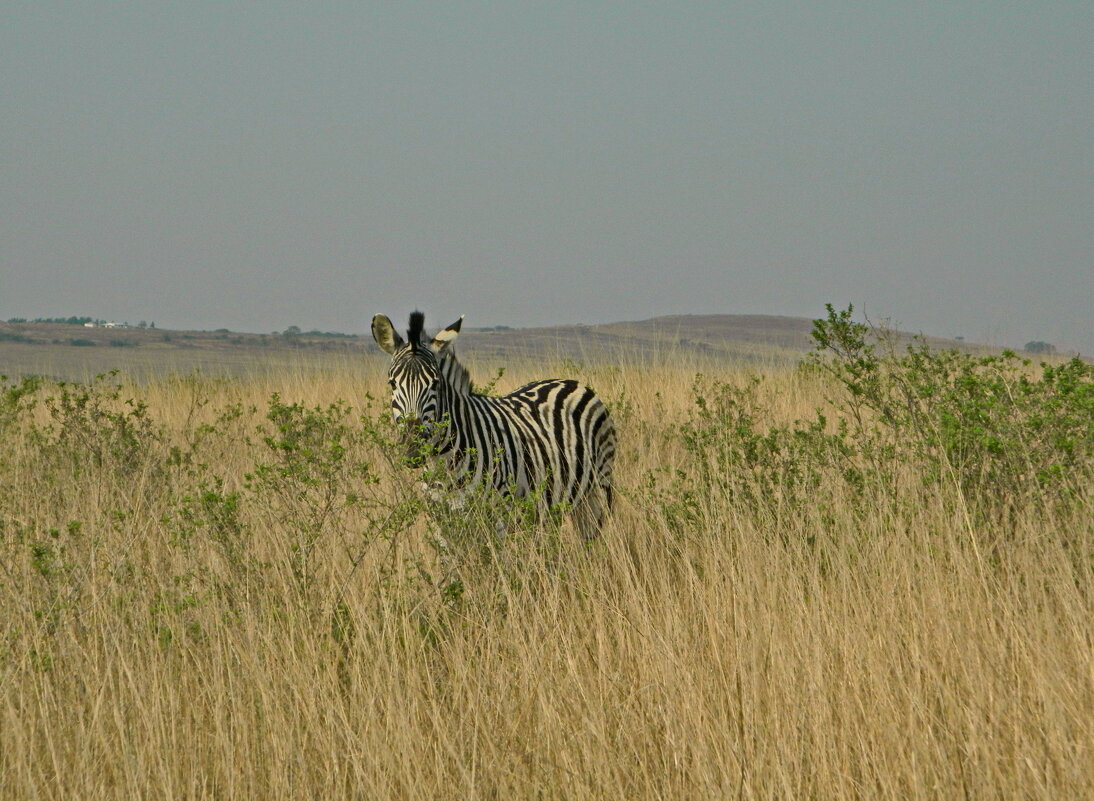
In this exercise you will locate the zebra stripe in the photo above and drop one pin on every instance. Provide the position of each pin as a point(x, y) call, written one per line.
point(554, 437)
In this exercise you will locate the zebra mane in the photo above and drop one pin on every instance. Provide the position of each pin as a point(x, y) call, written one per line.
point(414, 333)
point(455, 374)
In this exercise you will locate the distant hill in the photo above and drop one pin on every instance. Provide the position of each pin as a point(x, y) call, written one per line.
point(713, 336)
point(75, 351)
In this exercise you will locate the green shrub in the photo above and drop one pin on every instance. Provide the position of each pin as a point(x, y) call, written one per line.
point(1006, 436)
point(17, 399)
point(319, 482)
point(770, 470)
point(93, 428)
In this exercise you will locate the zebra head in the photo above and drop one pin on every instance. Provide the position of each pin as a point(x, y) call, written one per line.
point(414, 373)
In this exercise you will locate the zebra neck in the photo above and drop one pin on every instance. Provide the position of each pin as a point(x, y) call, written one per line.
point(455, 375)
point(455, 388)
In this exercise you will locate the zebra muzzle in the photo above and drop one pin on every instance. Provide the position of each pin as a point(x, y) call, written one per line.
point(414, 439)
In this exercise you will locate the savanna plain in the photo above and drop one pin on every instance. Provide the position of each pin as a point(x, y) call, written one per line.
point(866, 574)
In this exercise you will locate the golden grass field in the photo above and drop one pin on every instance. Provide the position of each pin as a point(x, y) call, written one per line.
point(188, 611)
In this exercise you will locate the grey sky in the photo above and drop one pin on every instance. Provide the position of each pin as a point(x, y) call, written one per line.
point(258, 165)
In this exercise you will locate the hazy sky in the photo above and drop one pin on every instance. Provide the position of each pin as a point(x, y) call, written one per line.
point(255, 165)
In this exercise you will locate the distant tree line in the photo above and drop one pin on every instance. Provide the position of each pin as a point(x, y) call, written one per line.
point(65, 320)
point(295, 331)
point(75, 320)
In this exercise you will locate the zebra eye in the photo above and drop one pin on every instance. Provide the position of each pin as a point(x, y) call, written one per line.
point(391, 383)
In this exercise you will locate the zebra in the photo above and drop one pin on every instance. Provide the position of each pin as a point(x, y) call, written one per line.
point(553, 437)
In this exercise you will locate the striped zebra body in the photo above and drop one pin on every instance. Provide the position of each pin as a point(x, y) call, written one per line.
point(553, 438)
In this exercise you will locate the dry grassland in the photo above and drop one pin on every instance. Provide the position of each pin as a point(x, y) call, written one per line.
point(191, 609)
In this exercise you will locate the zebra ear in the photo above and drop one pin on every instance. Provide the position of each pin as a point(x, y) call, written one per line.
point(446, 337)
point(385, 334)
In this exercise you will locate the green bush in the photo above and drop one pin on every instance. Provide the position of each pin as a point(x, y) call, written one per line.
point(17, 399)
point(771, 470)
point(92, 428)
point(1007, 437)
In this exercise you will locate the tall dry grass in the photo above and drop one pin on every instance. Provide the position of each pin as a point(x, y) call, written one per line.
point(187, 612)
